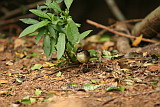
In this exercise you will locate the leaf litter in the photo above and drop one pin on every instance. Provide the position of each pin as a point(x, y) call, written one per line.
point(117, 80)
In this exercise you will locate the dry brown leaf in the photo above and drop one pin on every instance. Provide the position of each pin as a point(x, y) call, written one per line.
point(2, 47)
point(46, 76)
point(93, 38)
point(21, 55)
point(58, 78)
point(153, 67)
point(3, 81)
point(114, 84)
point(3, 92)
point(137, 41)
point(45, 66)
point(107, 44)
point(55, 92)
point(9, 63)
point(18, 43)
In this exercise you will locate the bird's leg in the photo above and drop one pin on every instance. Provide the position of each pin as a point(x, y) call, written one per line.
point(82, 66)
point(87, 65)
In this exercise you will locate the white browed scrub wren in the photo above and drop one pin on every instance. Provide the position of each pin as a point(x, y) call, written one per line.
point(82, 55)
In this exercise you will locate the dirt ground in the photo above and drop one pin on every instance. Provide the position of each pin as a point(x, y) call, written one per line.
point(138, 76)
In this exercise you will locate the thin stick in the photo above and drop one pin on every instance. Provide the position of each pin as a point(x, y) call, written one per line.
point(118, 23)
point(118, 33)
point(56, 71)
point(13, 20)
point(19, 10)
point(115, 10)
point(125, 21)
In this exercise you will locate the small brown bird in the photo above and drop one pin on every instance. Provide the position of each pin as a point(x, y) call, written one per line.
point(82, 55)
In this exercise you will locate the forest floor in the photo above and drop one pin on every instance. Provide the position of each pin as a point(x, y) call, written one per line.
point(122, 81)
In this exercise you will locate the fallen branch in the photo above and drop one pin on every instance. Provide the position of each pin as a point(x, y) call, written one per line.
point(149, 26)
point(13, 20)
point(118, 33)
point(118, 23)
point(126, 21)
point(19, 10)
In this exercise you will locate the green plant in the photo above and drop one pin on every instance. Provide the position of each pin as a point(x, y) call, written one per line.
point(57, 27)
point(109, 55)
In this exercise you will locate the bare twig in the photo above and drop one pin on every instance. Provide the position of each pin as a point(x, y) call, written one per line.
point(13, 20)
point(117, 23)
point(108, 101)
point(118, 33)
point(19, 10)
point(55, 71)
point(125, 21)
point(115, 10)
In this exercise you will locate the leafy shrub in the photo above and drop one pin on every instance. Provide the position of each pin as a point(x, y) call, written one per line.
point(57, 27)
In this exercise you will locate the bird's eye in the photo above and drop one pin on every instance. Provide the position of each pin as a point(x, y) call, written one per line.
point(79, 50)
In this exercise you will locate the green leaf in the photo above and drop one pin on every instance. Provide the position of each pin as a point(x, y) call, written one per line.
point(33, 28)
point(33, 34)
point(38, 38)
point(61, 45)
point(72, 31)
point(113, 88)
point(154, 82)
point(128, 82)
point(68, 3)
point(55, 6)
point(93, 59)
point(105, 38)
point(158, 54)
point(59, 28)
point(72, 85)
point(38, 92)
point(48, 2)
point(89, 87)
point(108, 54)
point(52, 16)
point(70, 47)
point(32, 54)
point(40, 35)
point(36, 66)
point(71, 50)
point(19, 80)
point(33, 100)
point(59, 74)
point(53, 44)
point(39, 13)
point(94, 81)
point(25, 101)
point(83, 35)
point(29, 21)
point(59, 1)
point(93, 52)
point(42, 7)
point(52, 31)
point(24, 66)
point(47, 45)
